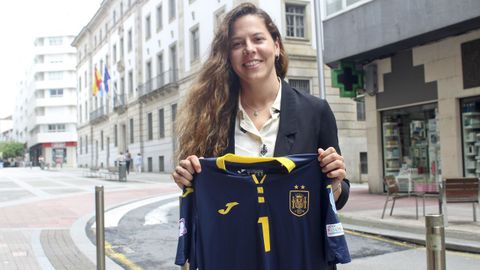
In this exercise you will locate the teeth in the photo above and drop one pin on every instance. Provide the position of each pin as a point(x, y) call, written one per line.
point(251, 63)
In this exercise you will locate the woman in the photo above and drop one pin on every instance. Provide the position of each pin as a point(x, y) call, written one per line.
point(241, 86)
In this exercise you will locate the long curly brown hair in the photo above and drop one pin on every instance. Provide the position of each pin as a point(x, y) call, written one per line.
point(205, 117)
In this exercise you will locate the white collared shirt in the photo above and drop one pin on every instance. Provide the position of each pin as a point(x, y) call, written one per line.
point(249, 141)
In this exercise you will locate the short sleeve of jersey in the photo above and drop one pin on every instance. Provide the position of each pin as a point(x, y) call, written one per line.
point(337, 249)
point(186, 245)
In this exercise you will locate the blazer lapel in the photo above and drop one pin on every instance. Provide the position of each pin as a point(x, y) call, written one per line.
point(288, 122)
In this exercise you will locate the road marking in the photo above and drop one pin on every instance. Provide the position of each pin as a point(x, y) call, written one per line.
point(159, 214)
point(379, 238)
point(113, 216)
point(120, 258)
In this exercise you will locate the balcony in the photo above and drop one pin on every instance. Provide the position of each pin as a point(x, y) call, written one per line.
point(119, 104)
point(99, 115)
point(160, 85)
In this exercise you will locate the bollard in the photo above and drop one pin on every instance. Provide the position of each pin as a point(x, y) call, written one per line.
point(435, 242)
point(100, 227)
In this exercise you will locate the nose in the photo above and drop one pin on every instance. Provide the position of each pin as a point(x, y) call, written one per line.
point(249, 48)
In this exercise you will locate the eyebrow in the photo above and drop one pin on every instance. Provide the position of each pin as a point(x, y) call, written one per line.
point(254, 34)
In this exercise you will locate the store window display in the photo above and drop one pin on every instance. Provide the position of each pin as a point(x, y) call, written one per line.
point(471, 136)
point(411, 147)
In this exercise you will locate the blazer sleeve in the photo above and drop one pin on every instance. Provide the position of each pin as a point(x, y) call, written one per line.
point(329, 138)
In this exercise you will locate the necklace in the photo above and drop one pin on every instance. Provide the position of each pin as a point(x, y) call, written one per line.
point(255, 111)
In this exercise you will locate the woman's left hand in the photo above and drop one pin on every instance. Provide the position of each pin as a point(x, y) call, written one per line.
point(333, 166)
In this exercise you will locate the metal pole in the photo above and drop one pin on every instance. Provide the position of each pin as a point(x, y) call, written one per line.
point(319, 38)
point(100, 228)
point(435, 234)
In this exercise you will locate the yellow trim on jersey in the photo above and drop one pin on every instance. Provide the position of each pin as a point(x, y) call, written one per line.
point(261, 199)
point(255, 179)
point(187, 192)
point(260, 190)
point(287, 163)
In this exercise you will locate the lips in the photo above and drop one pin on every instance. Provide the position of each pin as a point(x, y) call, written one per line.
point(251, 63)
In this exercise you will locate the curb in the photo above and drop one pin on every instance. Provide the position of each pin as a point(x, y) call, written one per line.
point(454, 240)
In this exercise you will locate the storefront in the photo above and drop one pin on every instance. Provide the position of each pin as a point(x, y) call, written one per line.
point(411, 146)
point(58, 154)
point(470, 114)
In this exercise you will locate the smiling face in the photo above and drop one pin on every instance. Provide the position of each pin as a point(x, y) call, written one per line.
point(253, 50)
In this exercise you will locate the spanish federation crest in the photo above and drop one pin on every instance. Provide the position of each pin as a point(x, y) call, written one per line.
point(299, 201)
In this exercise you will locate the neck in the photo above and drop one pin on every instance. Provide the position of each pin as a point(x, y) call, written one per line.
point(259, 94)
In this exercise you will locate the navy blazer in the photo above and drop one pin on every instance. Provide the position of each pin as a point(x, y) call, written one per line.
point(306, 124)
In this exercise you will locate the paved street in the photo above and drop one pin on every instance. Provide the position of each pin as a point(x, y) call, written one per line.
point(47, 222)
point(42, 213)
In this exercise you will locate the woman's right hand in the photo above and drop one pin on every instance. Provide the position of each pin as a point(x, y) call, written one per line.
point(183, 174)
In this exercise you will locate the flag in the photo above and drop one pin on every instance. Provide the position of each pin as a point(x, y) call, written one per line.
point(106, 77)
point(97, 82)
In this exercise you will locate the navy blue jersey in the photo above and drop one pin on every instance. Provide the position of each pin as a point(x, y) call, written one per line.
point(260, 213)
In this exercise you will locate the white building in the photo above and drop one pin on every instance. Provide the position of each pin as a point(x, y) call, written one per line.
point(152, 50)
point(6, 129)
point(46, 110)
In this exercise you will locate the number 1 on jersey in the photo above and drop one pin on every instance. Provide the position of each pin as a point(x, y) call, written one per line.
point(265, 232)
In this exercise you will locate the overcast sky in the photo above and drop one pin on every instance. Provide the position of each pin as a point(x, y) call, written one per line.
point(20, 22)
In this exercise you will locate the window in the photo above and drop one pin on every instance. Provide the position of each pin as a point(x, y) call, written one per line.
point(80, 114)
point(148, 71)
point(86, 111)
point(173, 62)
point(361, 110)
point(121, 8)
point(161, 164)
point(148, 32)
point(334, 6)
point(100, 35)
point(129, 40)
point(295, 20)
point(160, 68)
point(159, 18)
point(55, 41)
point(115, 135)
point(122, 48)
point(363, 163)
point(131, 131)
point(85, 78)
point(171, 9)
point(86, 144)
point(101, 140)
point(114, 15)
point(149, 164)
point(80, 83)
point(56, 92)
point(56, 128)
point(219, 15)
point(114, 53)
point(161, 124)
point(302, 85)
point(130, 82)
point(55, 75)
point(81, 145)
point(174, 112)
point(122, 85)
point(149, 126)
point(194, 44)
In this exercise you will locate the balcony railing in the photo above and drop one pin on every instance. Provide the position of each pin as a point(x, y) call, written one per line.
point(119, 100)
point(99, 114)
point(159, 83)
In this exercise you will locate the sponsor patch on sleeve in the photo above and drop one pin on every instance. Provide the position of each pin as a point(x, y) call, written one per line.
point(334, 230)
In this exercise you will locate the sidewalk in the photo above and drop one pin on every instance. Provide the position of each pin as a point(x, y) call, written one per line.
point(363, 213)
